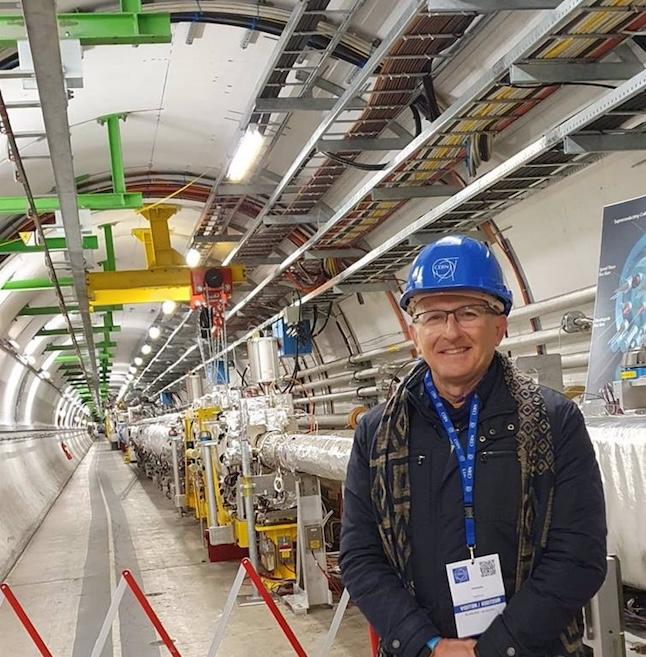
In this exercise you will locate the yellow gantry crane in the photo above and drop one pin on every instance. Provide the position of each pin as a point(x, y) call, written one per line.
point(166, 276)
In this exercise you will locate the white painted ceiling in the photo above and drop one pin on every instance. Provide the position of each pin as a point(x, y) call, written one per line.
point(183, 104)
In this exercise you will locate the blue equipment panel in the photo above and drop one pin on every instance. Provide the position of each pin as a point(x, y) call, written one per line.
point(293, 339)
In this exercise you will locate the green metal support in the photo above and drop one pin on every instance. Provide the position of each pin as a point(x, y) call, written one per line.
point(55, 310)
point(67, 359)
point(97, 29)
point(73, 358)
point(131, 6)
point(90, 242)
point(116, 152)
point(100, 201)
point(27, 284)
point(64, 331)
point(71, 347)
point(110, 263)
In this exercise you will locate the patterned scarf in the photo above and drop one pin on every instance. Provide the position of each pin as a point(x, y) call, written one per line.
point(390, 480)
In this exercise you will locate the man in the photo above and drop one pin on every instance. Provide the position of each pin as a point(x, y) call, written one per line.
point(474, 519)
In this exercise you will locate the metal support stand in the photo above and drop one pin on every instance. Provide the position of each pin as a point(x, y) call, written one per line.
point(311, 587)
point(604, 616)
point(249, 512)
point(211, 508)
point(180, 495)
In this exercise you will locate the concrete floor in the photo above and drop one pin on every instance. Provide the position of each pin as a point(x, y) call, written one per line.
point(108, 519)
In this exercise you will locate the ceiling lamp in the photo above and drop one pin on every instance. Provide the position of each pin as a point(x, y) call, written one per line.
point(132, 369)
point(168, 307)
point(138, 360)
point(31, 360)
point(246, 154)
point(45, 375)
point(193, 257)
point(146, 349)
point(129, 377)
point(154, 332)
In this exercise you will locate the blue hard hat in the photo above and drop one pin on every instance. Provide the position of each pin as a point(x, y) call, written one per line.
point(456, 263)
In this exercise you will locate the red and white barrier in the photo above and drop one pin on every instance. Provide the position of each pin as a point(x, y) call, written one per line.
point(246, 568)
point(7, 594)
point(128, 581)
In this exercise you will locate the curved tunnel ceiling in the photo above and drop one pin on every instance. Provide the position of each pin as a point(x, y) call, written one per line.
point(183, 122)
point(180, 118)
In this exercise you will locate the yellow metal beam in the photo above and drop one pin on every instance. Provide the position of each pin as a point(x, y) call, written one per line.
point(159, 252)
point(139, 286)
point(144, 236)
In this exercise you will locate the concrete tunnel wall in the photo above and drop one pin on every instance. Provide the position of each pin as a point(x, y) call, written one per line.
point(33, 471)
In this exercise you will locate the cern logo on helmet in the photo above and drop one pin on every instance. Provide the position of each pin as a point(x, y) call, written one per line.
point(444, 269)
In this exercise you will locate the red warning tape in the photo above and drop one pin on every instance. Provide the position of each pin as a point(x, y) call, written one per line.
point(24, 619)
point(280, 619)
point(148, 610)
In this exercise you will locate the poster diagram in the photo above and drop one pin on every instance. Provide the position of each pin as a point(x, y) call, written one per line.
point(620, 308)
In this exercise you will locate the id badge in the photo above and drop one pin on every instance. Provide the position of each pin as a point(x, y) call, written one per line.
point(478, 593)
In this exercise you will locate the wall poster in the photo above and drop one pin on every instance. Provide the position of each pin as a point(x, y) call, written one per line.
point(620, 307)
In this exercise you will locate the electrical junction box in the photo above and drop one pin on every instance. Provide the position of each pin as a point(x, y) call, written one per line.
point(314, 537)
point(293, 339)
point(292, 315)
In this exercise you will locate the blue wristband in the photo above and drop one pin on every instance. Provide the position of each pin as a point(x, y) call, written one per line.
point(432, 643)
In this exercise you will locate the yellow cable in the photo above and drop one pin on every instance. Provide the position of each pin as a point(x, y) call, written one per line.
point(176, 192)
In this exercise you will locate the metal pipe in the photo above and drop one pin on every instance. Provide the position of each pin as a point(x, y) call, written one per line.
point(540, 337)
point(574, 361)
point(205, 448)
point(247, 494)
point(563, 302)
point(324, 383)
point(318, 455)
point(367, 391)
point(338, 364)
point(334, 421)
point(178, 484)
point(344, 377)
point(380, 351)
point(334, 396)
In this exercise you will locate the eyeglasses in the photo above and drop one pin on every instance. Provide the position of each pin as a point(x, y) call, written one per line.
point(470, 315)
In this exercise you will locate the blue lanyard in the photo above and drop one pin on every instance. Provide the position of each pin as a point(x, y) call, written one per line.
point(466, 462)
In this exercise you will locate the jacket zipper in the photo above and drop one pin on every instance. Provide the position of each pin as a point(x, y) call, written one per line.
point(485, 456)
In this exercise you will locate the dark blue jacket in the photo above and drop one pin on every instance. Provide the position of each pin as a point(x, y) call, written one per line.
point(571, 569)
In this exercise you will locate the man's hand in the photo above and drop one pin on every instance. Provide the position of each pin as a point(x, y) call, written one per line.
point(455, 648)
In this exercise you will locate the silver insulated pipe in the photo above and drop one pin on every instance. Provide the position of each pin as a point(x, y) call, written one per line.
point(319, 455)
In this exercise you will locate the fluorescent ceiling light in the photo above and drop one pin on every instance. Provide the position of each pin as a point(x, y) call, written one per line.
point(154, 332)
point(168, 307)
point(193, 258)
point(245, 155)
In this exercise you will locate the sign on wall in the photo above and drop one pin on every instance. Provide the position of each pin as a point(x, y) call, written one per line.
point(620, 308)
